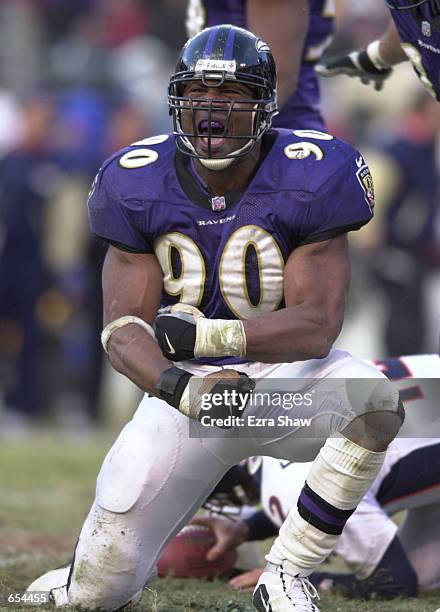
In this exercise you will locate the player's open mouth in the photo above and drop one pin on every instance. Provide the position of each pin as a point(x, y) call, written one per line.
point(217, 130)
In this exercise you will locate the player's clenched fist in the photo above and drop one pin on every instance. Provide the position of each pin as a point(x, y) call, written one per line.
point(183, 332)
point(219, 394)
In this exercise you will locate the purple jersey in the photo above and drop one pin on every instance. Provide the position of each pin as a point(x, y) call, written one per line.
point(421, 43)
point(302, 108)
point(229, 261)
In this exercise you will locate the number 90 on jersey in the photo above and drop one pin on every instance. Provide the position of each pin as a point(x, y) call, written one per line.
point(185, 270)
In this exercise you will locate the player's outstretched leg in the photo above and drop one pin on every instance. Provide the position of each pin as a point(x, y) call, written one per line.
point(341, 474)
point(152, 481)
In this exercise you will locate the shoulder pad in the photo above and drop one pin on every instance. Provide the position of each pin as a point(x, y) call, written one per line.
point(129, 167)
point(309, 158)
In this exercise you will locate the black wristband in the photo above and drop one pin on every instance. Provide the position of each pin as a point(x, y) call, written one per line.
point(171, 385)
point(366, 64)
point(176, 336)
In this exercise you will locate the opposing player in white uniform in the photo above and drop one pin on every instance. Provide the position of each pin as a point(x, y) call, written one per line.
point(385, 560)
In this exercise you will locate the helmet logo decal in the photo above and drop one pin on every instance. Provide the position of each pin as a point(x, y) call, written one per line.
point(262, 46)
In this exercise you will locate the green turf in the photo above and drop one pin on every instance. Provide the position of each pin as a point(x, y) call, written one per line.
point(46, 487)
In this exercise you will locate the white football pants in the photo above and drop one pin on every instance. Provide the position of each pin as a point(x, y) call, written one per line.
point(156, 476)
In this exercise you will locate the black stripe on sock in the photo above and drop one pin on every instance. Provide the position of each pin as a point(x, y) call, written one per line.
point(317, 522)
point(315, 517)
point(324, 505)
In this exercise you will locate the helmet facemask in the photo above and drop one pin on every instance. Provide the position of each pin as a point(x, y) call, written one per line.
point(236, 489)
point(211, 118)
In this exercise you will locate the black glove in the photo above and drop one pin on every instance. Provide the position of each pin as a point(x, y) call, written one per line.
point(355, 64)
point(176, 334)
point(175, 388)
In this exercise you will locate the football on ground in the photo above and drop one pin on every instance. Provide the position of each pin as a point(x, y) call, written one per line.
point(185, 555)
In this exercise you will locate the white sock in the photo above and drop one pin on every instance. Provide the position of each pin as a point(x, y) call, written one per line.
point(339, 478)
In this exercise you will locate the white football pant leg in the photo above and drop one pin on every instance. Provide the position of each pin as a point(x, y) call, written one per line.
point(152, 482)
point(342, 388)
point(343, 471)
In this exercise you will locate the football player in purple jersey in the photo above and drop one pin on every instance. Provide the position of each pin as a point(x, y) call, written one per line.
point(297, 33)
point(412, 35)
point(239, 232)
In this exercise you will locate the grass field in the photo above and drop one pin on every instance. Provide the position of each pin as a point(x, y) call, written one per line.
point(46, 487)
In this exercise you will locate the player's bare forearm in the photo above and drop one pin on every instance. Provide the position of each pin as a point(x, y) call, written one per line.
point(390, 48)
point(317, 277)
point(283, 26)
point(134, 354)
point(132, 285)
point(294, 333)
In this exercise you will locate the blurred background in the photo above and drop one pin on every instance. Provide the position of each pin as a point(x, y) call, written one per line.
point(80, 79)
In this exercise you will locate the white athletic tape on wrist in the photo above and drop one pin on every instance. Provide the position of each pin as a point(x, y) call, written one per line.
point(189, 406)
point(220, 338)
point(122, 322)
point(188, 309)
point(373, 52)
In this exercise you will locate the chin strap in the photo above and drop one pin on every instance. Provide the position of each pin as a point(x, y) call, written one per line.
point(217, 164)
point(220, 163)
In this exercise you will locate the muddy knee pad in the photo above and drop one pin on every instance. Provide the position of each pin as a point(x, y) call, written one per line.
point(377, 403)
point(107, 571)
